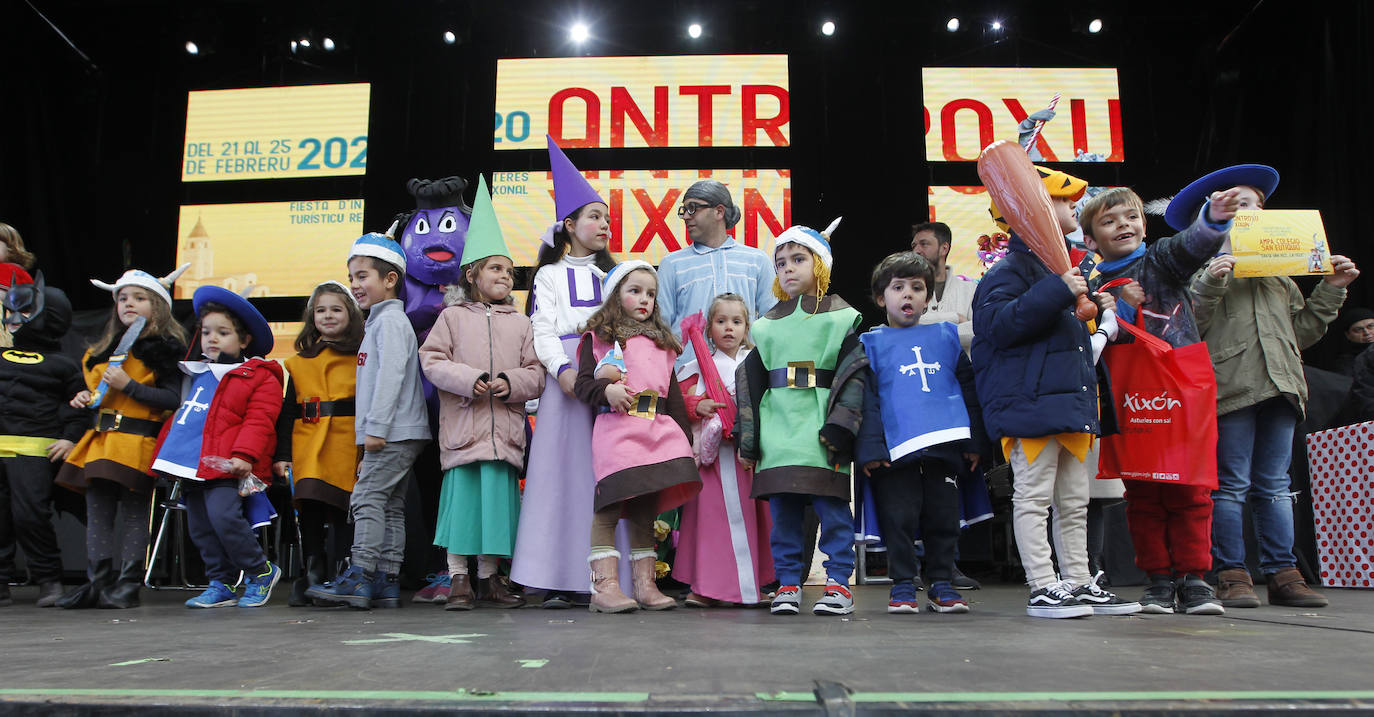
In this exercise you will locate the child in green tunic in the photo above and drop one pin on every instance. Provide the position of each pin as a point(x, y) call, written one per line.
point(801, 393)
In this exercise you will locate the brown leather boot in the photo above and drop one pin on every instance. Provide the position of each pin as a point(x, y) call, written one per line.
point(1287, 587)
point(492, 591)
point(646, 590)
point(1236, 589)
point(460, 595)
point(606, 594)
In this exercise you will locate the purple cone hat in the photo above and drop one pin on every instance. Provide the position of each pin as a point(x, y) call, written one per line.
point(571, 190)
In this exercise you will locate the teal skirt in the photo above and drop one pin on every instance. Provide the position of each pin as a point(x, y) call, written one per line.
point(479, 508)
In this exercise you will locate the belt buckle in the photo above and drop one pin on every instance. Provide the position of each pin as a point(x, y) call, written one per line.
point(100, 426)
point(306, 415)
point(801, 374)
point(644, 405)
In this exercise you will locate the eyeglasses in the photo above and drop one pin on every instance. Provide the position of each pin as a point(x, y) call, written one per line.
point(687, 210)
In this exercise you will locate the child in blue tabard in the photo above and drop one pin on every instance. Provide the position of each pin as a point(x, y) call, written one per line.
point(920, 413)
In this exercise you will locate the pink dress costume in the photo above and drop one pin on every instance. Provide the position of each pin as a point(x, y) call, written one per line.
point(723, 551)
point(646, 451)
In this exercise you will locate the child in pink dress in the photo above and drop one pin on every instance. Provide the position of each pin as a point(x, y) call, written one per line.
point(723, 552)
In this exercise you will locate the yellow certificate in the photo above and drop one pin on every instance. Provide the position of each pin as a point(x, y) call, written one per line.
point(1280, 242)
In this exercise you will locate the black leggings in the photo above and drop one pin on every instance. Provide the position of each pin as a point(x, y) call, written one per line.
point(103, 497)
point(315, 516)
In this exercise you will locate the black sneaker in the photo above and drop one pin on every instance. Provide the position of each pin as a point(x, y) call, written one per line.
point(1056, 601)
point(1102, 601)
point(1196, 597)
point(960, 581)
point(556, 600)
point(1159, 596)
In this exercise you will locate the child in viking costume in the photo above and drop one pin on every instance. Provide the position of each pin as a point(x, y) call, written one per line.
point(480, 355)
point(800, 396)
point(315, 446)
point(230, 404)
point(921, 417)
point(555, 519)
point(722, 550)
point(37, 430)
point(641, 444)
point(132, 384)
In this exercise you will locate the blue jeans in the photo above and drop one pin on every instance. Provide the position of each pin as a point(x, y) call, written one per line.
point(1254, 448)
point(837, 536)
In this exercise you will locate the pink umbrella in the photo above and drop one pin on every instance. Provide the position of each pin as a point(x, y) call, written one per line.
point(694, 332)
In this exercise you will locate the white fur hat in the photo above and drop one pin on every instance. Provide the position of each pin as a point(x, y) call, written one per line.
point(144, 280)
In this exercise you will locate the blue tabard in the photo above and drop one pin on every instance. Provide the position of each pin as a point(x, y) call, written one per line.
point(180, 453)
point(922, 403)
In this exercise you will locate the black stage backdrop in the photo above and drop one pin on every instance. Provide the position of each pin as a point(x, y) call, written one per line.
point(90, 141)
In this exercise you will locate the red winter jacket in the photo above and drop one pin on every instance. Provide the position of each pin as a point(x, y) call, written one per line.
point(242, 419)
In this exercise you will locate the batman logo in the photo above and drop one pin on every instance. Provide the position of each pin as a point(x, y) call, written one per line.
point(22, 357)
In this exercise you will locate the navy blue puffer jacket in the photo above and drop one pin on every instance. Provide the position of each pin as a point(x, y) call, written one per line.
point(1031, 358)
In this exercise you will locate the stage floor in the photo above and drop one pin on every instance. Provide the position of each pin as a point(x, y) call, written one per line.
point(421, 658)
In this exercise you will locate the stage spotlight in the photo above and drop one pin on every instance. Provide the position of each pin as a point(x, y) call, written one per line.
point(449, 37)
point(1095, 26)
point(293, 47)
point(192, 48)
point(827, 28)
point(952, 25)
point(305, 42)
point(694, 31)
point(579, 33)
point(327, 44)
point(997, 25)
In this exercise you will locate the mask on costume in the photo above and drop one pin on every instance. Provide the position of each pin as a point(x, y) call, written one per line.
point(434, 234)
point(24, 303)
point(47, 322)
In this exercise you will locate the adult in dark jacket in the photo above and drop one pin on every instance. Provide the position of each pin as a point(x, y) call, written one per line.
point(38, 428)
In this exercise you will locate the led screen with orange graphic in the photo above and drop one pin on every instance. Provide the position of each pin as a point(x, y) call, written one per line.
point(643, 208)
point(664, 101)
point(968, 108)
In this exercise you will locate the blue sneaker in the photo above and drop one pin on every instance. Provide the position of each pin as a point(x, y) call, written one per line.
point(386, 590)
point(217, 595)
point(902, 598)
point(353, 588)
point(942, 597)
point(259, 587)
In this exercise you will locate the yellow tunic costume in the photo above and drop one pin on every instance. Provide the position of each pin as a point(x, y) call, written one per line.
point(324, 453)
point(114, 455)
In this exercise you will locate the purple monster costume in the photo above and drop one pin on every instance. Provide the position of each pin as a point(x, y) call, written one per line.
point(433, 240)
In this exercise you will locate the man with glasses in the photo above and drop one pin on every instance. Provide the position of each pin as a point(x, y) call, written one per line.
point(689, 278)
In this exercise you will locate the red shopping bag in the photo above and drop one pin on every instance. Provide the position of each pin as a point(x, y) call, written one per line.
point(1166, 410)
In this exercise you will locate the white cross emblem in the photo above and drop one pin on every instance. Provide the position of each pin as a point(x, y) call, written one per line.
point(191, 405)
point(920, 368)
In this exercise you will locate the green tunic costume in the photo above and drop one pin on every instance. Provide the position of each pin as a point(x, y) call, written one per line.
point(801, 398)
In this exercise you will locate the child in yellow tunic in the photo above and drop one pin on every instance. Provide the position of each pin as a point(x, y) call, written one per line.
point(110, 463)
point(315, 439)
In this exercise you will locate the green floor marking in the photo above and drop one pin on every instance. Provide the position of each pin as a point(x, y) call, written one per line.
point(407, 637)
point(1080, 696)
point(458, 695)
point(625, 697)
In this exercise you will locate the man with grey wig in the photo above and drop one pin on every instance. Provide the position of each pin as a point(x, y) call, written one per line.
point(713, 264)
